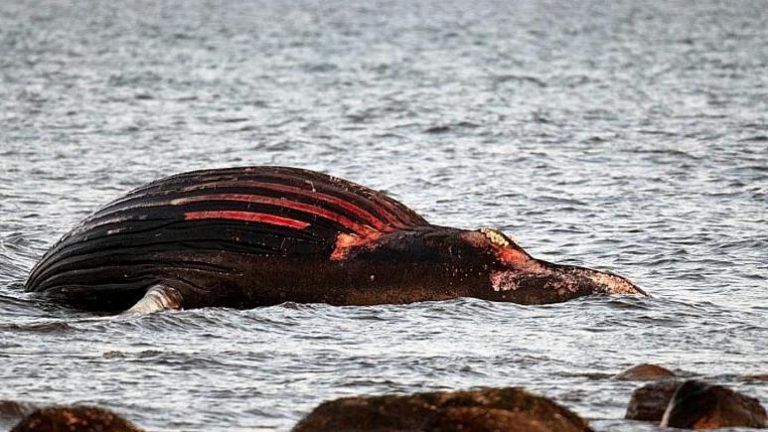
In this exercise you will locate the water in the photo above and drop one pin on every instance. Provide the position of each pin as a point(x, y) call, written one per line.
point(618, 136)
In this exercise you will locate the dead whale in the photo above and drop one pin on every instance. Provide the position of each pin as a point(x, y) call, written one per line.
point(256, 236)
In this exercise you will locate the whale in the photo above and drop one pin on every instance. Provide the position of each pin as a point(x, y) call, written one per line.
point(255, 236)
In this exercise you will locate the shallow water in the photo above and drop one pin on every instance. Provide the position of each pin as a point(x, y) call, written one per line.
point(622, 137)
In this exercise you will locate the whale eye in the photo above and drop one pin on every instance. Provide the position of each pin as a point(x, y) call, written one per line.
point(495, 237)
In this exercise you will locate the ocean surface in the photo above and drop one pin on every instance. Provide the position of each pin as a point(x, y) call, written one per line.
point(624, 136)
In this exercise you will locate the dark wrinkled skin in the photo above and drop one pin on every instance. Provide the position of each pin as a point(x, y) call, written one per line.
point(428, 263)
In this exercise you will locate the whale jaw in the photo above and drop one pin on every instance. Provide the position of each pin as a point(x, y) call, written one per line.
point(611, 283)
point(541, 282)
point(598, 282)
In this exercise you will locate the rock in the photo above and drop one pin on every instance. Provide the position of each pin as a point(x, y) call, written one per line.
point(14, 409)
point(694, 405)
point(74, 419)
point(644, 371)
point(649, 402)
point(758, 377)
point(508, 409)
point(485, 420)
point(698, 405)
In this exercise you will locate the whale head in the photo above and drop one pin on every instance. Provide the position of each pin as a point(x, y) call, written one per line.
point(517, 275)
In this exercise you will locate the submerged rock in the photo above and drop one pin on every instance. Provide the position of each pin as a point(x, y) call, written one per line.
point(11, 409)
point(644, 371)
point(698, 405)
point(74, 419)
point(508, 409)
point(694, 405)
point(649, 402)
point(758, 377)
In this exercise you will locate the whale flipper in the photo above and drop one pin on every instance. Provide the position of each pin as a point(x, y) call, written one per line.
point(157, 298)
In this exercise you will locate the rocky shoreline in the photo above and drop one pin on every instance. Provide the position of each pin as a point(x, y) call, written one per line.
point(667, 400)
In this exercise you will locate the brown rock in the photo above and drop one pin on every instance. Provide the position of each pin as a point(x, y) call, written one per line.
point(15, 410)
point(649, 402)
point(74, 419)
point(697, 405)
point(508, 409)
point(484, 420)
point(644, 371)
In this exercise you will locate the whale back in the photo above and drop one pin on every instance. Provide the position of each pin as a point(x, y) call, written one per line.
point(186, 224)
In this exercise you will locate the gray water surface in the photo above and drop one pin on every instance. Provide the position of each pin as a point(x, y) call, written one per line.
point(614, 135)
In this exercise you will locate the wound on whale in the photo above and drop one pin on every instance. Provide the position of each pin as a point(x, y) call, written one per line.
point(259, 236)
